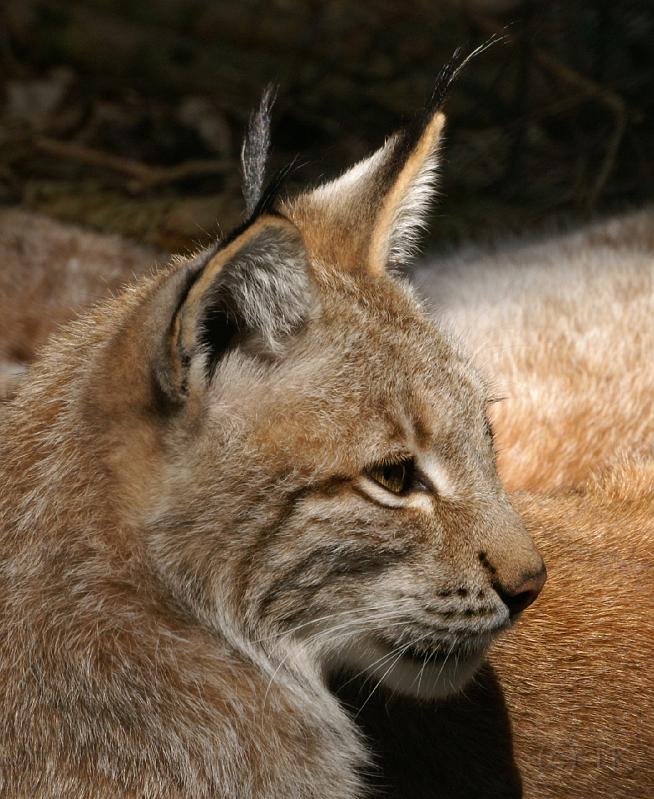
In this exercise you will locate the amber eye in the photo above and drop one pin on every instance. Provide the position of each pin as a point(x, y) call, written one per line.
point(398, 478)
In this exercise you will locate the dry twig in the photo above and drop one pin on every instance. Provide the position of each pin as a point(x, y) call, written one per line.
point(144, 176)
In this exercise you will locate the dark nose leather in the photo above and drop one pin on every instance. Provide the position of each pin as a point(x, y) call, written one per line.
point(519, 597)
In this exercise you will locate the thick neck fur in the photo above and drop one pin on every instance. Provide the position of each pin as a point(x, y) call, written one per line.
point(93, 624)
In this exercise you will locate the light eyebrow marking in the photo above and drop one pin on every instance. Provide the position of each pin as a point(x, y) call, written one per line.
point(421, 434)
point(437, 474)
point(432, 467)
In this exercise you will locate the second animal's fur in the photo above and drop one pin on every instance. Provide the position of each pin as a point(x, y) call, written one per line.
point(49, 272)
point(563, 327)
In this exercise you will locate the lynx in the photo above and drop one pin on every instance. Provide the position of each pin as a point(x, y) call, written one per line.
point(248, 470)
point(549, 714)
point(561, 327)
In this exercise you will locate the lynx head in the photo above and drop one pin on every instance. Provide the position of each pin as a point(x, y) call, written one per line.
point(306, 458)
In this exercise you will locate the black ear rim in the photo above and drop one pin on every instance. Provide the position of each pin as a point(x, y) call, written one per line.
point(220, 330)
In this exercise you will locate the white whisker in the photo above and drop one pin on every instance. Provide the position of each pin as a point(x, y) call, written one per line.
point(350, 626)
point(285, 633)
point(402, 649)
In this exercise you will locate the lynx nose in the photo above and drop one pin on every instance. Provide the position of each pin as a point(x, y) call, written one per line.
point(521, 596)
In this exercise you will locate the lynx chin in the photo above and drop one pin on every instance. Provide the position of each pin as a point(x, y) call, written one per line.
point(248, 470)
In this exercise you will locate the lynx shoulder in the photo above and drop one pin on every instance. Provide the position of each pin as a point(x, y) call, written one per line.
point(245, 471)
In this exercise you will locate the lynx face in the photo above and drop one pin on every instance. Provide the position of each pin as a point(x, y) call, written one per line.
point(344, 502)
point(324, 490)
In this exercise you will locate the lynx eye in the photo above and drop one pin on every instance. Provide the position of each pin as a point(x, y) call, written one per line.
point(398, 478)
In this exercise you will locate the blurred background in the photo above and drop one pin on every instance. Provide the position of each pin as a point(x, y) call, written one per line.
point(128, 117)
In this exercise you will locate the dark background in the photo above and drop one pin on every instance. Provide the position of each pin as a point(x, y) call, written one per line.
point(128, 116)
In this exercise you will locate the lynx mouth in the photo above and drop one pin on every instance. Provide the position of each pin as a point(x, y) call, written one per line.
point(424, 664)
point(421, 656)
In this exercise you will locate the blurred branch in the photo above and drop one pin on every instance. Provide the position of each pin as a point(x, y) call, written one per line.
point(143, 175)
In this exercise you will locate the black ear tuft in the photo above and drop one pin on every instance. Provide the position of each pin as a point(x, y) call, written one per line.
point(449, 72)
point(370, 218)
point(255, 149)
point(445, 79)
point(452, 69)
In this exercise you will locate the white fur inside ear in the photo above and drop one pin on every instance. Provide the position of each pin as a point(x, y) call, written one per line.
point(411, 215)
point(270, 285)
point(371, 216)
point(354, 183)
point(404, 214)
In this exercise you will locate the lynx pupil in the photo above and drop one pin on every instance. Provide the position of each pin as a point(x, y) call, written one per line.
point(394, 477)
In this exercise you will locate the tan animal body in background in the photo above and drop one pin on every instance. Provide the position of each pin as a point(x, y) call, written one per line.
point(245, 471)
point(49, 272)
point(562, 327)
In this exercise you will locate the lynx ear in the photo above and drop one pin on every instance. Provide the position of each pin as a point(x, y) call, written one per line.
point(369, 218)
point(253, 294)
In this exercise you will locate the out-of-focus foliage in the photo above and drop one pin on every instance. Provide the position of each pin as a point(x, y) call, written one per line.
point(128, 116)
